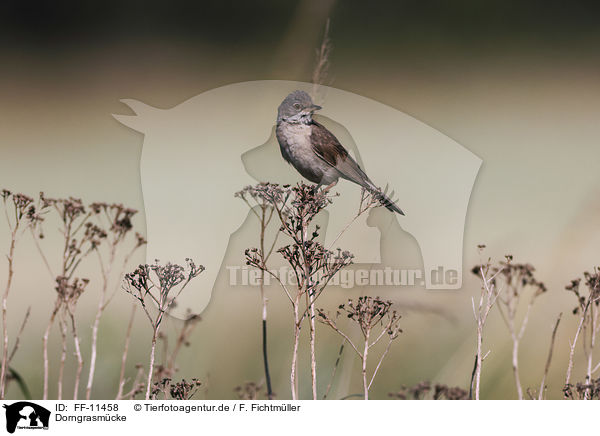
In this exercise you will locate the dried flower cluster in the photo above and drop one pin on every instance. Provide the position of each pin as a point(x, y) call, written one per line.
point(117, 219)
point(589, 323)
point(248, 391)
point(583, 391)
point(69, 291)
point(421, 391)
point(183, 390)
point(369, 313)
point(84, 230)
point(592, 291)
point(313, 265)
point(507, 283)
point(167, 277)
point(20, 215)
point(376, 319)
point(516, 276)
point(159, 285)
point(261, 205)
point(512, 281)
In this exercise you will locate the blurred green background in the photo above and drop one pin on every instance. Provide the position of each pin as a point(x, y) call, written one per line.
point(514, 82)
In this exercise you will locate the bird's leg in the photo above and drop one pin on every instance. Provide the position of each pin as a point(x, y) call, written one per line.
point(328, 187)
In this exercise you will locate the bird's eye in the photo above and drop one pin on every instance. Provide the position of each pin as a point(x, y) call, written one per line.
point(296, 106)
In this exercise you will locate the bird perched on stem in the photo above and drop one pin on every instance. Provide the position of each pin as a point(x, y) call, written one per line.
point(315, 152)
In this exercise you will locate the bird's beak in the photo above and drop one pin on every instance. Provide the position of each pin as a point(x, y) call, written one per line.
point(314, 107)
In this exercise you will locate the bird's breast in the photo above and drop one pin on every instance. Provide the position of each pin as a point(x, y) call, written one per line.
point(295, 142)
point(295, 139)
point(294, 135)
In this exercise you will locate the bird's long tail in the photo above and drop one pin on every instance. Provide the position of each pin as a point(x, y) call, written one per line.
point(383, 198)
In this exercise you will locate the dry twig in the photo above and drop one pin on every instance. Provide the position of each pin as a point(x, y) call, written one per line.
point(371, 314)
point(159, 285)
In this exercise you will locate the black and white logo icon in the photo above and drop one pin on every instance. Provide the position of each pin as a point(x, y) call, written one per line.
point(26, 415)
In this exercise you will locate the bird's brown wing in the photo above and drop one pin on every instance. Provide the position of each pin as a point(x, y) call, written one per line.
point(327, 147)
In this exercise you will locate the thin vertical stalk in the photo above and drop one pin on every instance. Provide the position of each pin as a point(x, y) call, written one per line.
point(293, 374)
point(10, 257)
point(478, 365)
point(515, 367)
point(264, 304)
point(63, 357)
point(79, 356)
point(365, 355)
point(45, 347)
point(151, 366)
point(309, 290)
point(125, 353)
point(574, 343)
point(335, 367)
point(313, 356)
point(590, 355)
point(96, 324)
point(549, 359)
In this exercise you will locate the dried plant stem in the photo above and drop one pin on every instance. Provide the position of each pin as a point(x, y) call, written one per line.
point(369, 313)
point(387, 349)
point(41, 253)
point(321, 69)
point(63, 356)
point(365, 355)
point(88, 389)
point(265, 354)
point(10, 258)
point(309, 290)
point(593, 327)
point(78, 355)
point(96, 324)
point(182, 339)
point(478, 361)
point(125, 353)
point(264, 218)
point(293, 373)
point(335, 367)
point(515, 278)
point(549, 359)
point(102, 303)
point(45, 346)
point(116, 219)
point(366, 203)
point(18, 337)
point(135, 387)
point(264, 221)
point(574, 342)
point(313, 355)
point(511, 303)
point(169, 278)
point(516, 337)
point(306, 255)
point(515, 367)
point(587, 309)
point(151, 365)
point(487, 299)
point(79, 241)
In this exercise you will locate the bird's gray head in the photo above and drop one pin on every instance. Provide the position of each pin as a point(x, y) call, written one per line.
point(297, 107)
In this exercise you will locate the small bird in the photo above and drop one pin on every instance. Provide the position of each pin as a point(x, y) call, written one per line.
point(315, 152)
